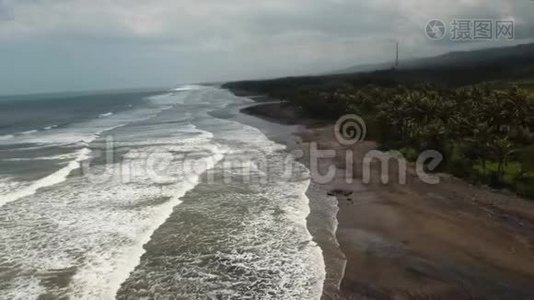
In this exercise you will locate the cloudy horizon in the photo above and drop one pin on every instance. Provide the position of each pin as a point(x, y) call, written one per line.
point(74, 45)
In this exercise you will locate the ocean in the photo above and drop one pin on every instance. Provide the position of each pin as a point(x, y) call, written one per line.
point(150, 195)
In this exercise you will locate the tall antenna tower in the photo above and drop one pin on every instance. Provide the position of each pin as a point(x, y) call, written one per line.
point(397, 57)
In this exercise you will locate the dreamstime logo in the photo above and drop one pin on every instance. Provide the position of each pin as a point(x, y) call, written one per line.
point(435, 30)
point(350, 129)
point(163, 165)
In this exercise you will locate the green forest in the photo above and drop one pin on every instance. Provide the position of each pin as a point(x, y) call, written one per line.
point(485, 131)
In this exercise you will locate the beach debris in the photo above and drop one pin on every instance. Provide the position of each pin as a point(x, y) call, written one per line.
point(338, 192)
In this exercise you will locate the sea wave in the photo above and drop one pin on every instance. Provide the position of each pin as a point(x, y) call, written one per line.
point(52, 179)
point(52, 157)
point(97, 231)
point(105, 115)
point(104, 224)
point(18, 134)
point(187, 88)
point(50, 127)
point(77, 135)
point(6, 137)
point(131, 259)
point(29, 132)
point(254, 231)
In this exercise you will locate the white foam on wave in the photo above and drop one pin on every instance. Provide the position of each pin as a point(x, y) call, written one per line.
point(102, 276)
point(8, 185)
point(78, 134)
point(97, 228)
point(29, 132)
point(52, 179)
point(50, 127)
point(318, 257)
point(297, 212)
point(105, 115)
point(41, 146)
point(291, 194)
point(24, 133)
point(168, 100)
point(131, 259)
point(87, 131)
point(254, 226)
point(273, 238)
point(52, 157)
point(6, 137)
point(100, 229)
point(188, 88)
point(61, 174)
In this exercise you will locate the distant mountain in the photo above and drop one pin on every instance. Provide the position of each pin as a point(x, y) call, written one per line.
point(517, 60)
point(509, 64)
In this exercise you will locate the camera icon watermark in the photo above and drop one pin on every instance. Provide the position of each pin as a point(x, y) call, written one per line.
point(435, 30)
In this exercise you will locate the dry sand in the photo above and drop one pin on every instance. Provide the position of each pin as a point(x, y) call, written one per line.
point(416, 241)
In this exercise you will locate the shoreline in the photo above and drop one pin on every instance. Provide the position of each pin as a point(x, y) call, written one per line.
point(321, 220)
point(451, 240)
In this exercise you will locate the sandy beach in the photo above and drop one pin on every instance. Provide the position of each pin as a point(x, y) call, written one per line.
point(414, 240)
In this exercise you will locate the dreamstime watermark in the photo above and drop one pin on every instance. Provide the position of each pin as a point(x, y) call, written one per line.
point(471, 30)
point(166, 166)
point(350, 130)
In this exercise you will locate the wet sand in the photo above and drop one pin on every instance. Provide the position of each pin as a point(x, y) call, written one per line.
point(322, 221)
point(415, 241)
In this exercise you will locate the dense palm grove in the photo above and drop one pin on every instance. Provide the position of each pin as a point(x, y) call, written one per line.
point(486, 134)
point(484, 130)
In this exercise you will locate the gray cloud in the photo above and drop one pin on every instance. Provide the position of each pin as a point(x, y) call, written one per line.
point(77, 44)
point(6, 13)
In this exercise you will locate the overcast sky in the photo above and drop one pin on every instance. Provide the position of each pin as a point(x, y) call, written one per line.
point(70, 45)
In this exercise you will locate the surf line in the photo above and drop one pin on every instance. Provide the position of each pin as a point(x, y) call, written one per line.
point(52, 179)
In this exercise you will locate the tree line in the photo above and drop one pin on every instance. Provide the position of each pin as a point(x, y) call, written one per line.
point(485, 133)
